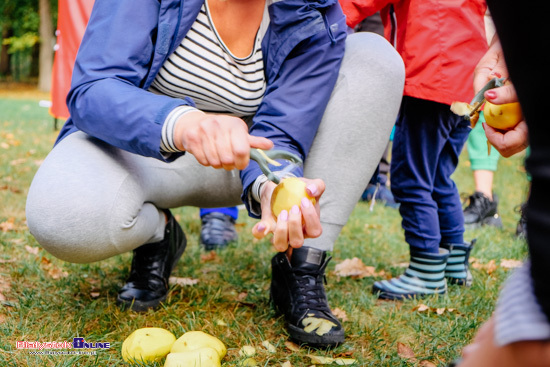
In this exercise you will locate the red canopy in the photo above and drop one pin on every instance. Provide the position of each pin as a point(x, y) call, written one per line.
point(72, 20)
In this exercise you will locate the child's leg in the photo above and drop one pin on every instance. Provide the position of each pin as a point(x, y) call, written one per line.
point(421, 138)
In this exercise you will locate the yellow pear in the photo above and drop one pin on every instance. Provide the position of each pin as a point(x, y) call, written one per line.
point(147, 344)
point(202, 357)
point(193, 340)
point(502, 116)
point(287, 193)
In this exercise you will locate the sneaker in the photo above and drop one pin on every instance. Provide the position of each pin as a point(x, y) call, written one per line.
point(521, 228)
point(425, 276)
point(383, 194)
point(217, 231)
point(298, 293)
point(482, 211)
point(152, 265)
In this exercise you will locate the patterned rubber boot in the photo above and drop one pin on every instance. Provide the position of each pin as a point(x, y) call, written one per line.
point(425, 276)
point(458, 268)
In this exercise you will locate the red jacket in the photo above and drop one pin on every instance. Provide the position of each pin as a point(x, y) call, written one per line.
point(440, 42)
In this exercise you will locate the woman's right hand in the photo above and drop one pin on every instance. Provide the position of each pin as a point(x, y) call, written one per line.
point(220, 141)
point(492, 65)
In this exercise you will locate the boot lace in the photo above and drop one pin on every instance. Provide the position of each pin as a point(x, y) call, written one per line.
point(311, 293)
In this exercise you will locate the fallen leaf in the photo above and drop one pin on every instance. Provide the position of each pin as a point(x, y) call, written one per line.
point(292, 346)
point(339, 313)
point(182, 281)
point(209, 256)
point(510, 264)
point(329, 360)
point(489, 267)
point(439, 310)
point(221, 323)
point(286, 364)
point(32, 250)
point(57, 273)
point(242, 296)
point(426, 364)
point(421, 308)
point(8, 225)
point(270, 347)
point(405, 352)
point(94, 294)
point(355, 268)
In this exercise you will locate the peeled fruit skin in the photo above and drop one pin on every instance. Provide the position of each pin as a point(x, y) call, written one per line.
point(193, 340)
point(147, 345)
point(202, 357)
point(287, 193)
point(504, 116)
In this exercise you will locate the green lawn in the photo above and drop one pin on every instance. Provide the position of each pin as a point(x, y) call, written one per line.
point(44, 299)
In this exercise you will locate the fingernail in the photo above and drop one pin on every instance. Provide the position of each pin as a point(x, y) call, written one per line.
point(260, 227)
point(312, 189)
point(283, 216)
point(306, 203)
point(498, 75)
point(491, 94)
point(295, 209)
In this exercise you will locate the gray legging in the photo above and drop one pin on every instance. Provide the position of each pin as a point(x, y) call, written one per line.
point(90, 201)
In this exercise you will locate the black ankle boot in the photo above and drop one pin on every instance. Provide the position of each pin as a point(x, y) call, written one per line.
point(152, 265)
point(297, 291)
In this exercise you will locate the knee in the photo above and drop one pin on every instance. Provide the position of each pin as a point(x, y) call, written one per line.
point(372, 55)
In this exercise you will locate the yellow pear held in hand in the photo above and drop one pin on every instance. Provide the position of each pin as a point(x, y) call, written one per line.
point(201, 357)
point(193, 340)
point(502, 116)
point(147, 345)
point(287, 193)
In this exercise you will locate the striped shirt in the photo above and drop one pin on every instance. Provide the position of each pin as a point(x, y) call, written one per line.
point(203, 68)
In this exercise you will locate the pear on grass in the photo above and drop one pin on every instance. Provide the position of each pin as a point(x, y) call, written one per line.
point(193, 340)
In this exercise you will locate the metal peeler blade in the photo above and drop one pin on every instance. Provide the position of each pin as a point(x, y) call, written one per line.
point(266, 157)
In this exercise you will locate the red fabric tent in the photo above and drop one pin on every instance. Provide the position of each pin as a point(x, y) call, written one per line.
point(72, 18)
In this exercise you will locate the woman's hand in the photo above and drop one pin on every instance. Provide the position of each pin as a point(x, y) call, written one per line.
point(291, 227)
point(492, 65)
point(220, 141)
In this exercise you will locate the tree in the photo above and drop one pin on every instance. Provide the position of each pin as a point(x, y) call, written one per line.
point(45, 61)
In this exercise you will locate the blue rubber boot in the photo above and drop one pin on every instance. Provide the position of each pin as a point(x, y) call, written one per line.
point(457, 270)
point(425, 276)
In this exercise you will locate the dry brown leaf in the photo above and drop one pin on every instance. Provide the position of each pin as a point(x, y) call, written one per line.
point(404, 351)
point(8, 225)
point(355, 268)
point(339, 313)
point(510, 264)
point(209, 256)
point(182, 281)
point(56, 273)
point(439, 310)
point(426, 364)
point(292, 346)
point(247, 351)
point(489, 267)
point(32, 250)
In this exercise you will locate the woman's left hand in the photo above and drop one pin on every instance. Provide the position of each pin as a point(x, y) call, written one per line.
point(293, 226)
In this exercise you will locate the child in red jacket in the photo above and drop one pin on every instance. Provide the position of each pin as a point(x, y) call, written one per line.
point(440, 46)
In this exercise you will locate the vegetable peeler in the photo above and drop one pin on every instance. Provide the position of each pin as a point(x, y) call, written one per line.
point(470, 111)
point(264, 158)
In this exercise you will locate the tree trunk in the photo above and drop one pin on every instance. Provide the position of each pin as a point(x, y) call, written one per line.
point(5, 57)
point(46, 33)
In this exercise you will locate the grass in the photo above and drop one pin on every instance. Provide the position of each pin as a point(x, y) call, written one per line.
point(44, 299)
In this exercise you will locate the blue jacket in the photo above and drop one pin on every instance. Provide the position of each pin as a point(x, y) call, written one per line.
point(127, 41)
